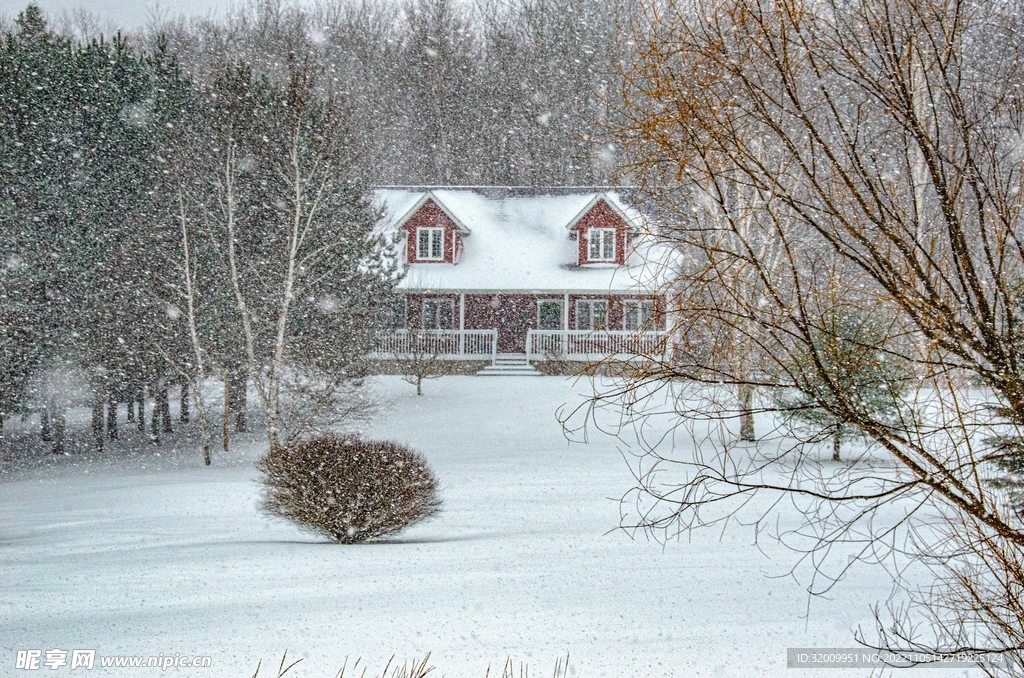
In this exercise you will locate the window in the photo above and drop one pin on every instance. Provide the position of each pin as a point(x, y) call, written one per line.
point(637, 314)
point(591, 314)
point(602, 244)
point(430, 244)
point(438, 314)
point(549, 315)
point(395, 315)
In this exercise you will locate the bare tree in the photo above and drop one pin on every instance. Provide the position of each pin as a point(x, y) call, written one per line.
point(189, 272)
point(421, 362)
point(294, 241)
point(878, 145)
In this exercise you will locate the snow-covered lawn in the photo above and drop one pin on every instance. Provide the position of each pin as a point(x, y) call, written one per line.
point(146, 554)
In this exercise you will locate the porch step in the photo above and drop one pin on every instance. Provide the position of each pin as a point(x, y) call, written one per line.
point(509, 365)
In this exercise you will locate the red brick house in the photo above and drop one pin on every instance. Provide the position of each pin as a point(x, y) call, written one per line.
point(491, 272)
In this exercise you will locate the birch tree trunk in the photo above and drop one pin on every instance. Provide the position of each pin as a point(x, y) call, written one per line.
point(188, 273)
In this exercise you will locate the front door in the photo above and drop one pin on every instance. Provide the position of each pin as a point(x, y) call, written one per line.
point(514, 319)
point(549, 317)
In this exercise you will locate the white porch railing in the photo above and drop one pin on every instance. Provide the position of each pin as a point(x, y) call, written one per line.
point(591, 344)
point(445, 344)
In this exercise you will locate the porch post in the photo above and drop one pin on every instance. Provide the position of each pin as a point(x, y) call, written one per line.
point(565, 313)
point(462, 323)
point(669, 327)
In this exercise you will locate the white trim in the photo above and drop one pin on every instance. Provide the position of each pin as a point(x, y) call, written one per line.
point(431, 231)
point(602, 241)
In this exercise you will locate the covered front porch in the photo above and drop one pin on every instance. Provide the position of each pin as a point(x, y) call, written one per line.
point(568, 326)
point(539, 345)
point(539, 326)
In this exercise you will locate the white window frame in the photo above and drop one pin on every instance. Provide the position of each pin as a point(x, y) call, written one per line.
point(601, 241)
point(433, 321)
point(642, 313)
point(561, 311)
point(590, 305)
point(434, 241)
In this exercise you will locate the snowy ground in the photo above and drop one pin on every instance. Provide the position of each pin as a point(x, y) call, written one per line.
point(137, 554)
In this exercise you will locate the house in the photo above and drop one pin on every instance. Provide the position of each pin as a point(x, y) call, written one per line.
point(543, 275)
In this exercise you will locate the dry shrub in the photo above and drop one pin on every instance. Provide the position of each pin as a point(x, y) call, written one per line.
point(348, 488)
point(421, 669)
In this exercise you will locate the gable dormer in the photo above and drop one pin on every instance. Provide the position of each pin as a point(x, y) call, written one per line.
point(603, 233)
point(433, 235)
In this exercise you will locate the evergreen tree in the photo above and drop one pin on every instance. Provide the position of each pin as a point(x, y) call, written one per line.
point(80, 133)
point(846, 368)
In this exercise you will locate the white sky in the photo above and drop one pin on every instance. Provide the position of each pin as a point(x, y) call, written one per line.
point(126, 14)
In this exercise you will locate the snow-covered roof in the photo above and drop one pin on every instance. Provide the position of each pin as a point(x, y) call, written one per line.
point(519, 243)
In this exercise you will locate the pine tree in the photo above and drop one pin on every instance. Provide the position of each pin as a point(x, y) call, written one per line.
point(80, 131)
point(845, 372)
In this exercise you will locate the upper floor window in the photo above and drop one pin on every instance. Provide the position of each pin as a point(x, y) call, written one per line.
point(591, 314)
point(430, 244)
point(602, 244)
point(637, 314)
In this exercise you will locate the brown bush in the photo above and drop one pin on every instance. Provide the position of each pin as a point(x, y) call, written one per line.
point(347, 488)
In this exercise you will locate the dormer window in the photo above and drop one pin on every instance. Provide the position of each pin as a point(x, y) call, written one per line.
point(430, 244)
point(602, 244)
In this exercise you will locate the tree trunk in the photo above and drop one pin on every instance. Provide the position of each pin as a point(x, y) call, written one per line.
point(239, 401)
point(746, 398)
point(837, 440)
point(44, 422)
point(183, 413)
point(227, 412)
point(165, 407)
point(130, 411)
point(112, 418)
point(201, 411)
point(59, 425)
point(154, 423)
point(140, 399)
point(98, 400)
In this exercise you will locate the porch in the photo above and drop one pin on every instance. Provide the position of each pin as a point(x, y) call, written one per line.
point(540, 345)
point(439, 344)
point(592, 345)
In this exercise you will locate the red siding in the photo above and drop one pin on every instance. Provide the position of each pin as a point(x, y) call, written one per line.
point(601, 215)
point(430, 215)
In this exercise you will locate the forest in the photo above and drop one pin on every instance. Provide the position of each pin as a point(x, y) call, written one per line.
point(149, 178)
